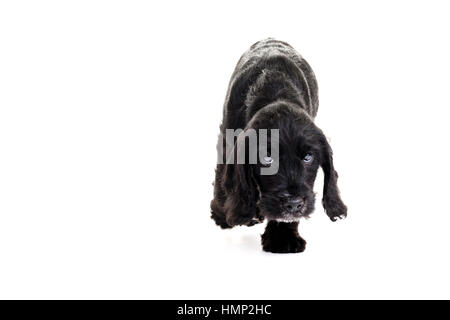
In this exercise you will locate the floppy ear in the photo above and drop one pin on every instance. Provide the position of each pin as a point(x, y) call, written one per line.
point(241, 192)
point(332, 203)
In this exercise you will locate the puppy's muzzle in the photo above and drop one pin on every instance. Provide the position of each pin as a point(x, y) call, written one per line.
point(293, 205)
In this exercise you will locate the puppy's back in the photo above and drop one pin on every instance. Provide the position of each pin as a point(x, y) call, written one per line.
point(264, 57)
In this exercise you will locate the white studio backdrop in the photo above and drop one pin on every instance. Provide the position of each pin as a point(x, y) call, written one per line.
point(109, 115)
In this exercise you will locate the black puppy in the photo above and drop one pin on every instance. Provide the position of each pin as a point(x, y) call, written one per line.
point(273, 87)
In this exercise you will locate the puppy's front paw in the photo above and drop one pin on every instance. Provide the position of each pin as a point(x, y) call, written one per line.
point(335, 215)
point(336, 211)
point(283, 243)
point(339, 217)
point(254, 221)
point(243, 220)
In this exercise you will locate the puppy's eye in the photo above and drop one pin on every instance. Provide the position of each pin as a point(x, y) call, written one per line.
point(308, 158)
point(267, 161)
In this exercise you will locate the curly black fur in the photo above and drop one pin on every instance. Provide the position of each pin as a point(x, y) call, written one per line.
point(273, 87)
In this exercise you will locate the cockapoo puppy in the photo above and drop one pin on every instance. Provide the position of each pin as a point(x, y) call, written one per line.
point(274, 90)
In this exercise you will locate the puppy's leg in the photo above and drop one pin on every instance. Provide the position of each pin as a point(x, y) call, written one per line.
point(282, 237)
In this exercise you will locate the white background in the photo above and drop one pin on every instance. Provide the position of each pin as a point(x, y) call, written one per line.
point(109, 114)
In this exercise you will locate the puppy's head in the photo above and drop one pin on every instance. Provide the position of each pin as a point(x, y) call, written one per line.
point(288, 194)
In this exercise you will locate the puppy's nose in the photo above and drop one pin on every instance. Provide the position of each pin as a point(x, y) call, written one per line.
point(294, 204)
